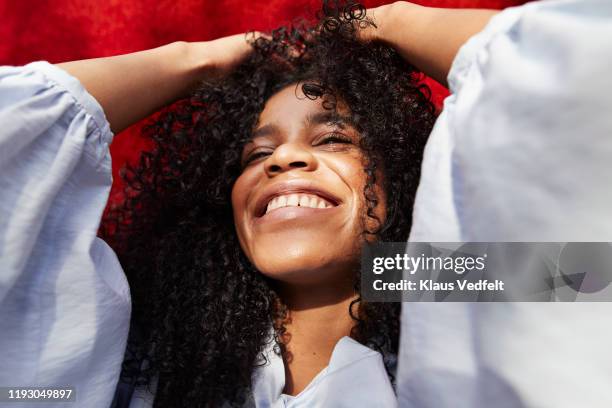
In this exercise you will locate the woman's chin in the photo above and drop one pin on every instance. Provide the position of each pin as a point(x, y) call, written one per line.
point(302, 266)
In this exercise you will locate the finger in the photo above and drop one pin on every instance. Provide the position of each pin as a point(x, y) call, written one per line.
point(368, 32)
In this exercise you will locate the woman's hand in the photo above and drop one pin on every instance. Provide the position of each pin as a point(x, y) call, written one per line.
point(132, 86)
point(219, 57)
point(378, 15)
point(427, 37)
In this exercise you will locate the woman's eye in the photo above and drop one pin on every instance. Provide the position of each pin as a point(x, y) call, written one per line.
point(335, 138)
point(255, 156)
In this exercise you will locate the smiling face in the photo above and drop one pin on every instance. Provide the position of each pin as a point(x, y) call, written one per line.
point(299, 205)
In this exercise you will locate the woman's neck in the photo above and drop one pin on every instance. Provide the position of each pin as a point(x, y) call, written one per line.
point(317, 319)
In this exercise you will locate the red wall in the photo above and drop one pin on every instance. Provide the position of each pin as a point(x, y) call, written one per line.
point(63, 30)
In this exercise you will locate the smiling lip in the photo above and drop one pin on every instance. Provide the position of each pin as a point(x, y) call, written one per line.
point(293, 187)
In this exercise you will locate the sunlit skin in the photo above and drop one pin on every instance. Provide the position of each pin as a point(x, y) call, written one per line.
point(312, 254)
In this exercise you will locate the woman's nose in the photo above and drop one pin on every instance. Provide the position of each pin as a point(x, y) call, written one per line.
point(290, 156)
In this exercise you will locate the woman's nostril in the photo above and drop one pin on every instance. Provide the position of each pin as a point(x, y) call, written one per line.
point(293, 165)
point(298, 164)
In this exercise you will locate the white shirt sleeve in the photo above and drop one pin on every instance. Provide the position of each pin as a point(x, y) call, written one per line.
point(521, 152)
point(64, 300)
point(525, 139)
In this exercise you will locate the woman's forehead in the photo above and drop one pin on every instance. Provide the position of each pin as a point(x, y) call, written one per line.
point(289, 108)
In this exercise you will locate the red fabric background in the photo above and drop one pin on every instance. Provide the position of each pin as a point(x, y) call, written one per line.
point(64, 30)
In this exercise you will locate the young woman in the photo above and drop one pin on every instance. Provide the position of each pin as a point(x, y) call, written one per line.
point(243, 291)
point(243, 228)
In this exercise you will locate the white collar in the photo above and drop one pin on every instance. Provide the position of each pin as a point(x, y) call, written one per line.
point(355, 377)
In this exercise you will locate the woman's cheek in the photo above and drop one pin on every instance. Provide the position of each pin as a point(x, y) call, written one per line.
point(241, 191)
point(351, 169)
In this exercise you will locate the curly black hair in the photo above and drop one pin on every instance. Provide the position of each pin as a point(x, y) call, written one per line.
point(202, 314)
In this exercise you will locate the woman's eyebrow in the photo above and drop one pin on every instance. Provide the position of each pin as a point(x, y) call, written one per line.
point(265, 130)
point(329, 118)
point(313, 119)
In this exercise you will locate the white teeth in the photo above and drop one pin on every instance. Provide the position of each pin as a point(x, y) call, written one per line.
point(304, 201)
point(294, 200)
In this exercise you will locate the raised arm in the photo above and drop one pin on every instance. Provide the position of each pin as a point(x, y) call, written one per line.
point(132, 86)
point(427, 37)
point(58, 281)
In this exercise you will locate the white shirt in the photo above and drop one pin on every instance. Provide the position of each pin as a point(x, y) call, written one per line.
point(354, 377)
point(522, 151)
point(64, 300)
